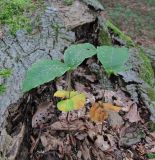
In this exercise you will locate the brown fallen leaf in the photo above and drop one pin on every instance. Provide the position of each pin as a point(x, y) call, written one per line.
point(43, 114)
point(133, 114)
point(128, 155)
point(14, 149)
point(5, 141)
point(66, 147)
point(79, 155)
point(80, 136)
point(141, 149)
point(130, 134)
point(118, 98)
point(98, 154)
point(86, 90)
point(72, 126)
point(82, 73)
point(34, 143)
point(101, 143)
point(50, 142)
point(85, 151)
point(108, 95)
point(99, 111)
point(152, 135)
point(99, 140)
point(111, 107)
point(74, 115)
point(115, 120)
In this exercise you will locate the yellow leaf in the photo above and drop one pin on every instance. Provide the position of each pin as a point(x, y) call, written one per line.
point(65, 94)
point(74, 103)
point(79, 101)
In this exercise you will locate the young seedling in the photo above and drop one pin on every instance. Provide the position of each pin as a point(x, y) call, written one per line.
point(113, 61)
point(47, 70)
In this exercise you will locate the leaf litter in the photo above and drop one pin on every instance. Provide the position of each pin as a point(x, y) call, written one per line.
point(81, 138)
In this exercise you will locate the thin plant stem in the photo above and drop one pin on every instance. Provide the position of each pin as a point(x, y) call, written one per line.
point(69, 88)
point(102, 83)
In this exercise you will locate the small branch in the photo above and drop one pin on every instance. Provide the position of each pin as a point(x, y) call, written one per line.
point(69, 87)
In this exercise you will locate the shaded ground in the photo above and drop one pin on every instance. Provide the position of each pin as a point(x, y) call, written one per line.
point(135, 17)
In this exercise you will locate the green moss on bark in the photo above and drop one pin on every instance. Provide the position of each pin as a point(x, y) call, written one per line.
point(104, 37)
point(146, 70)
point(16, 14)
point(120, 34)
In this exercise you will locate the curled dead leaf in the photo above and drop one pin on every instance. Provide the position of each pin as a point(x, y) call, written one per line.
point(50, 142)
point(110, 107)
point(99, 111)
point(99, 140)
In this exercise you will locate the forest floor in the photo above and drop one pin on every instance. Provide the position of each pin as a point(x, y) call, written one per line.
point(135, 17)
point(124, 135)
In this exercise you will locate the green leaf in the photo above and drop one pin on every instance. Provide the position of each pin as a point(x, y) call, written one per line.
point(76, 54)
point(66, 105)
point(113, 58)
point(42, 72)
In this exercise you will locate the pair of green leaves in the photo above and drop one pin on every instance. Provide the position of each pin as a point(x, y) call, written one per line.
point(112, 59)
point(46, 70)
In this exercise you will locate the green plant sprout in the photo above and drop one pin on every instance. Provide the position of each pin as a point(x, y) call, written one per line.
point(43, 71)
point(39, 74)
